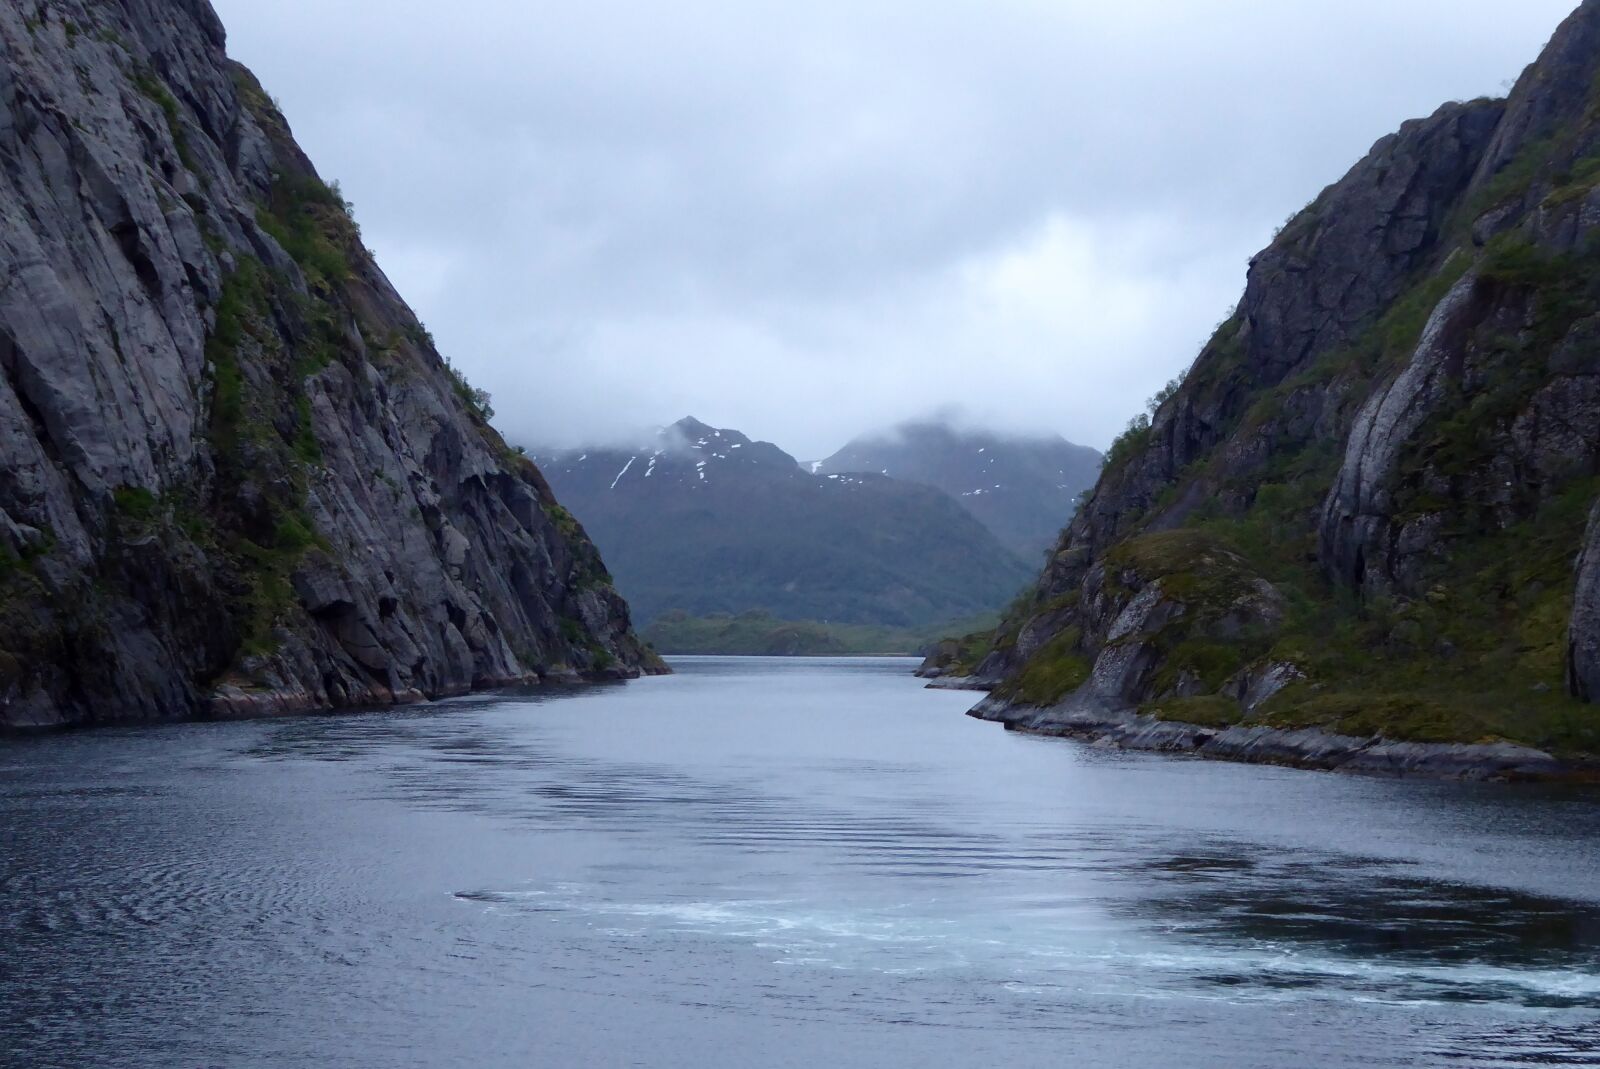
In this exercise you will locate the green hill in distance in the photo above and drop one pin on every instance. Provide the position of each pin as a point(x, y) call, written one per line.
point(760, 634)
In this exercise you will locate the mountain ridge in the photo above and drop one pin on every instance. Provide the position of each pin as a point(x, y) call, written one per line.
point(1362, 513)
point(1018, 486)
point(707, 520)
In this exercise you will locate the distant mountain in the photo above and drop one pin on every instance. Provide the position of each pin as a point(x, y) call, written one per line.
point(1024, 489)
point(760, 634)
point(705, 520)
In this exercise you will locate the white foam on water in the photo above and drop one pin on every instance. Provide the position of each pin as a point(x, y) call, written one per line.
point(1064, 947)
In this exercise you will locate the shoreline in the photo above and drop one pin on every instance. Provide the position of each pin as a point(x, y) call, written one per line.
point(802, 656)
point(959, 683)
point(230, 703)
point(1312, 749)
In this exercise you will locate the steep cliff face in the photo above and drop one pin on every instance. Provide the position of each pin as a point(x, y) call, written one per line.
point(235, 475)
point(1364, 508)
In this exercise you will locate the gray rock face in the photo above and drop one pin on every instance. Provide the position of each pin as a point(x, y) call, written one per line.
point(235, 476)
point(1356, 519)
point(1342, 261)
point(1584, 656)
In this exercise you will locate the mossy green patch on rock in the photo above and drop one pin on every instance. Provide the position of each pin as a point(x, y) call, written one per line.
point(1208, 663)
point(1576, 183)
point(970, 651)
point(1194, 566)
point(1511, 184)
point(151, 85)
point(136, 504)
point(564, 520)
point(1403, 717)
point(1055, 671)
point(959, 656)
point(261, 431)
point(1212, 710)
point(1483, 648)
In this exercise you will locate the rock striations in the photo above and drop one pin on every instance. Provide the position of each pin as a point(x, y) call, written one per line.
point(1363, 522)
point(235, 476)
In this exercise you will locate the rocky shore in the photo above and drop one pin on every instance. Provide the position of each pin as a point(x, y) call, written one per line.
point(1308, 748)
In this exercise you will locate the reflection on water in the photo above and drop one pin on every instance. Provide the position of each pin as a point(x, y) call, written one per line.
point(774, 863)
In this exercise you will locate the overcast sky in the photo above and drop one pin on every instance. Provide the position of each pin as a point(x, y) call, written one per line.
point(809, 220)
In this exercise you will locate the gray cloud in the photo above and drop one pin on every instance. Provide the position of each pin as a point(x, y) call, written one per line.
point(808, 221)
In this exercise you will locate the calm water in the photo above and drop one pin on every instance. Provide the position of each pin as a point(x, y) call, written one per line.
point(764, 863)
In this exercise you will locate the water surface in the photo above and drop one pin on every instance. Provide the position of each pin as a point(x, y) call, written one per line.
point(769, 863)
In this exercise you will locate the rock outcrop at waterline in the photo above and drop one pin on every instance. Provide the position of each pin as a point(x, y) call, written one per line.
point(1365, 509)
point(235, 475)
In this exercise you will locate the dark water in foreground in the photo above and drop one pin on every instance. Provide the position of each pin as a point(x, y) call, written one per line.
point(759, 863)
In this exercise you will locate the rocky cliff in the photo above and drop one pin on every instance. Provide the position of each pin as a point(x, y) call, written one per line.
point(235, 475)
point(1366, 510)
